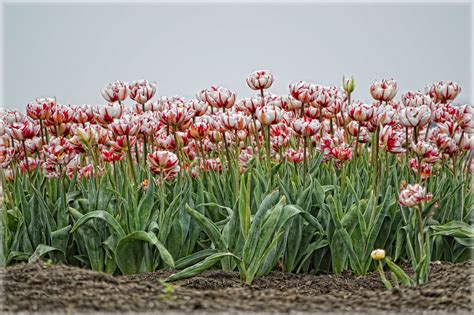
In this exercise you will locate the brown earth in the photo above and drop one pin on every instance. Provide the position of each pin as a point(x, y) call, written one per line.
point(49, 288)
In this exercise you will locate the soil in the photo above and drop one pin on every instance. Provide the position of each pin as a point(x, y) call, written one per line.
point(57, 288)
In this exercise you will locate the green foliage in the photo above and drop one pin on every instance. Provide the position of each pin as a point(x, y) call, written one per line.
point(328, 220)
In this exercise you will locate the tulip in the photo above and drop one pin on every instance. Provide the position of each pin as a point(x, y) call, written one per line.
point(34, 145)
point(199, 107)
point(213, 164)
point(164, 163)
point(426, 151)
point(6, 156)
point(82, 172)
point(446, 91)
point(377, 254)
point(295, 156)
point(312, 112)
point(51, 170)
point(306, 126)
point(13, 116)
point(142, 91)
point(303, 91)
point(384, 90)
point(348, 84)
point(233, 121)
point(423, 168)
point(28, 165)
point(269, 115)
point(282, 101)
point(360, 111)
point(41, 108)
point(220, 97)
point(199, 130)
point(342, 153)
point(385, 115)
point(466, 118)
point(148, 125)
point(323, 97)
point(83, 114)
point(150, 106)
point(176, 117)
point(465, 141)
point(166, 102)
point(105, 114)
point(61, 129)
point(126, 126)
point(446, 144)
point(250, 105)
point(244, 158)
point(391, 140)
point(413, 195)
point(121, 144)
point(115, 92)
point(415, 99)
point(415, 116)
point(58, 151)
point(111, 156)
point(293, 104)
point(23, 131)
point(260, 80)
point(61, 115)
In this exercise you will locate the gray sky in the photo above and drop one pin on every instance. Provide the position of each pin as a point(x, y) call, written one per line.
point(73, 50)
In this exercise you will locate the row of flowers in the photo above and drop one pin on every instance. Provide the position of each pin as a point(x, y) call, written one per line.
point(217, 131)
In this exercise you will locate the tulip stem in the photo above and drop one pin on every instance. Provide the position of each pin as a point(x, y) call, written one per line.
point(41, 129)
point(357, 143)
point(268, 154)
point(26, 162)
point(203, 153)
point(145, 150)
point(321, 121)
point(227, 154)
point(420, 231)
point(407, 154)
point(387, 283)
point(130, 159)
point(257, 142)
point(305, 159)
point(427, 130)
point(418, 177)
point(178, 149)
point(375, 160)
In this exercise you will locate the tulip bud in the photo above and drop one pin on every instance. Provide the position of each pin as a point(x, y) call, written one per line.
point(348, 85)
point(377, 254)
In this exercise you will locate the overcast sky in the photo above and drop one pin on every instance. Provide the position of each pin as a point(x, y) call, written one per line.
point(71, 51)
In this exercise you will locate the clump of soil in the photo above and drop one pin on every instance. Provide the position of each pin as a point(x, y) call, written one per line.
point(45, 288)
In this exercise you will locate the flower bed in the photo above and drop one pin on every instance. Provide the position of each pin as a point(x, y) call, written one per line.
point(313, 180)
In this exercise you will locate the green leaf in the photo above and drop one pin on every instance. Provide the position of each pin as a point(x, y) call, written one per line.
point(200, 267)
point(40, 251)
point(244, 206)
point(338, 252)
point(401, 275)
point(194, 258)
point(103, 215)
point(209, 227)
point(130, 253)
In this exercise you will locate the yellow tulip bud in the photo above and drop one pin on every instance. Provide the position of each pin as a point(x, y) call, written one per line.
point(378, 254)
